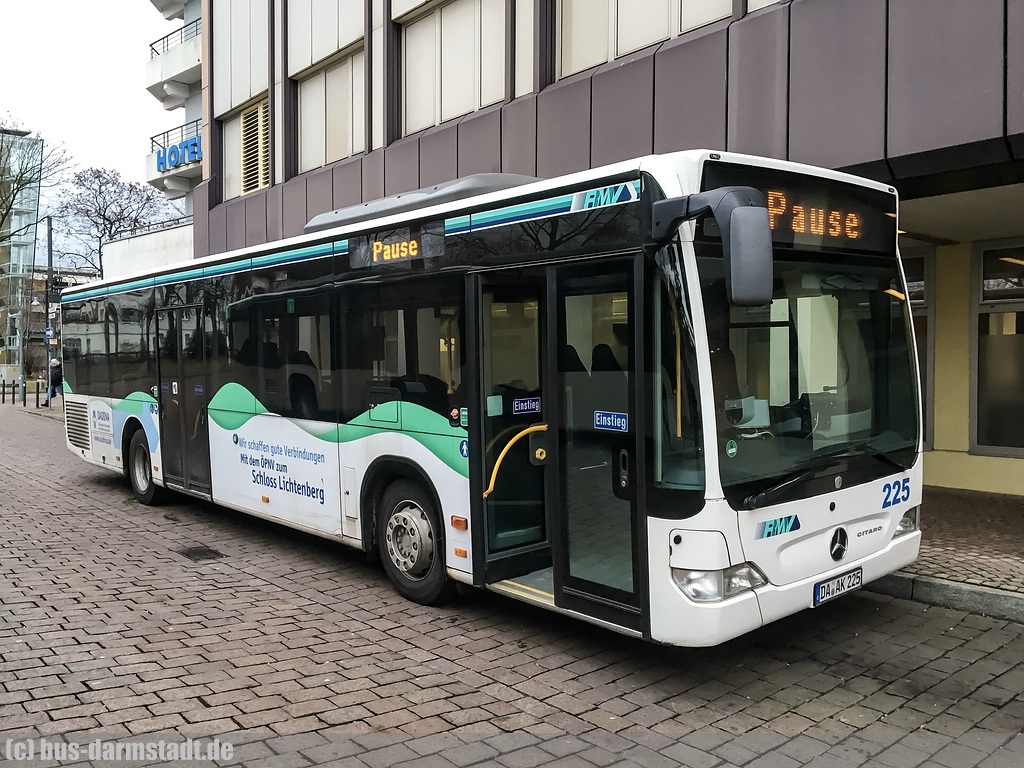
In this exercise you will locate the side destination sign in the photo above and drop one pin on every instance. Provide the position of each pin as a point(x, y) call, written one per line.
point(394, 246)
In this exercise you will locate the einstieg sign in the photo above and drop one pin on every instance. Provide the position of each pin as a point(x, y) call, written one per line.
point(183, 153)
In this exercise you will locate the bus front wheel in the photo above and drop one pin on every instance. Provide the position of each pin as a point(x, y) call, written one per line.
point(411, 544)
point(140, 470)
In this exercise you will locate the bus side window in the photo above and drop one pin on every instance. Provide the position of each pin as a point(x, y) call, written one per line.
point(678, 461)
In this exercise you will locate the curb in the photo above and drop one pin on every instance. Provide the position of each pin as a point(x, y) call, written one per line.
point(973, 598)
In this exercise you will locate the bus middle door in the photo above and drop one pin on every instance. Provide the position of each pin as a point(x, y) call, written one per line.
point(184, 434)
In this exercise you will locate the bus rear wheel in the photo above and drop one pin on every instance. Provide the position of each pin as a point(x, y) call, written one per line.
point(140, 471)
point(411, 544)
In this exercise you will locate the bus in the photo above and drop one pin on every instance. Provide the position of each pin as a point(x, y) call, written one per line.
point(675, 396)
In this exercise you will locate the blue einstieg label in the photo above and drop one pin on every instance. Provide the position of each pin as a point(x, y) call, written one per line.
point(526, 405)
point(610, 421)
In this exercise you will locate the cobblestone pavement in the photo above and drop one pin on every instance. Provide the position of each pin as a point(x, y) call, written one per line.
point(973, 538)
point(297, 652)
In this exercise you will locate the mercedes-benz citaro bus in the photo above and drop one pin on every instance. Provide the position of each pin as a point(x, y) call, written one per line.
point(675, 396)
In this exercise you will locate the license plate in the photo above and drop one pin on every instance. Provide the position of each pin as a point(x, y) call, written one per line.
point(839, 585)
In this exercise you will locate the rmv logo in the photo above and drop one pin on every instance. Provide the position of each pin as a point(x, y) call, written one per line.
point(597, 198)
point(778, 526)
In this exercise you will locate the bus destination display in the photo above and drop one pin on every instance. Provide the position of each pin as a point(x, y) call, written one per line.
point(815, 213)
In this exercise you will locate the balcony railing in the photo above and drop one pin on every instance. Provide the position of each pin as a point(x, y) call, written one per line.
point(175, 136)
point(143, 229)
point(164, 44)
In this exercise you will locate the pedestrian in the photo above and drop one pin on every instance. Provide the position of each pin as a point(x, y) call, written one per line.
point(56, 380)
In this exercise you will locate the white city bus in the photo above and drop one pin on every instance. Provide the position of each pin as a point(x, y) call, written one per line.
point(674, 396)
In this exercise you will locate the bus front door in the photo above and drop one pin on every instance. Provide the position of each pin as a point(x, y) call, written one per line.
point(559, 437)
point(184, 436)
point(511, 312)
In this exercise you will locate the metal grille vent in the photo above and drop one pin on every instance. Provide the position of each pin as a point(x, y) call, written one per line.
point(256, 147)
point(76, 417)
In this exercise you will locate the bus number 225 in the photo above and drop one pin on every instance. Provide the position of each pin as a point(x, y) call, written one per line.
point(895, 492)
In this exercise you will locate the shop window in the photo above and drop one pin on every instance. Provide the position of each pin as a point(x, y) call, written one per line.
point(918, 267)
point(999, 353)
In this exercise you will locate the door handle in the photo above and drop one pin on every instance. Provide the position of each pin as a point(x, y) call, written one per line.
point(509, 444)
point(623, 469)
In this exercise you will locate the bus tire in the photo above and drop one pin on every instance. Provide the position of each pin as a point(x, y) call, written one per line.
point(411, 544)
point(140, 471)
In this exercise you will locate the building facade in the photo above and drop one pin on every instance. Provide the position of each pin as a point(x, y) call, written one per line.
point(309, 106)
point(21, 156)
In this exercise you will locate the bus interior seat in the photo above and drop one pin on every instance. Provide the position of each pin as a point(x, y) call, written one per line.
point(271, 357)
point(424, 390)
point(603, 360)
point(569, 360)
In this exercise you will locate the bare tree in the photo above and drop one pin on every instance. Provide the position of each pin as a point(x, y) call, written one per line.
point(98, 205)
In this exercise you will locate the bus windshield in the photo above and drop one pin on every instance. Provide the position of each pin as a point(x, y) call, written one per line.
point(823, 371)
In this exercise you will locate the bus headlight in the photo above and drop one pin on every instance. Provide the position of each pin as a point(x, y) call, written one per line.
point(713, 586)
point(909, 522)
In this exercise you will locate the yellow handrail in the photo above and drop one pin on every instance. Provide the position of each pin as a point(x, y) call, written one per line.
point(509, 444)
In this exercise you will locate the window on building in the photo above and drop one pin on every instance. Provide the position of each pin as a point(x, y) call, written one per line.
point(453, 61)
point(591, 32)
point(331, 112)
point(255, 128)
point(918, 268)
point(999, 358)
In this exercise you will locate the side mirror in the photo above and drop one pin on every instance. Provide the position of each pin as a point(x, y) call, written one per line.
point(741, 214)
point(748, 257)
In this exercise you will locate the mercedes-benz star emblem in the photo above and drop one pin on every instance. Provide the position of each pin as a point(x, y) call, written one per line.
point(840, 542)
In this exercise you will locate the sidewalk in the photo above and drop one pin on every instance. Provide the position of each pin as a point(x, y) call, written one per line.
point(972, 553)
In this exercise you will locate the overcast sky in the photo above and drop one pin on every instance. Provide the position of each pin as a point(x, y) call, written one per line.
point(74, 71)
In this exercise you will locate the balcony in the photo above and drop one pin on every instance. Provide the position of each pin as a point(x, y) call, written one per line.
point(175, 65)
point(174, 164)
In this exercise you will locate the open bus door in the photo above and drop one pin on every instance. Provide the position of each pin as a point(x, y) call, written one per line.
point(560, 437)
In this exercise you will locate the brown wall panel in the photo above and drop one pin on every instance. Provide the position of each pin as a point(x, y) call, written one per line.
point(295, 218)
point(201, 220)
point(348, 182)
point(439, 154)
point(218, 229)
point(275, 213)
point(758, 83)
point(690, 91)
point(519, 136)
point(255, 219)
point(946, 79)
point(235, 221)
point(402, 166)
point(837, 82)
point(319, 192)
point(622, 119)
point(480, 142)
point(563, 127)
point(373, 175)
point(1015, 76)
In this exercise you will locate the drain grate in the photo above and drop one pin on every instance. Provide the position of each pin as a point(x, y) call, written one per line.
point(200, 553)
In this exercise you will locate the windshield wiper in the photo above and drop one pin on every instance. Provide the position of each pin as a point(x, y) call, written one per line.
point(755, 500)
point(864, 448)
point(820, 461)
